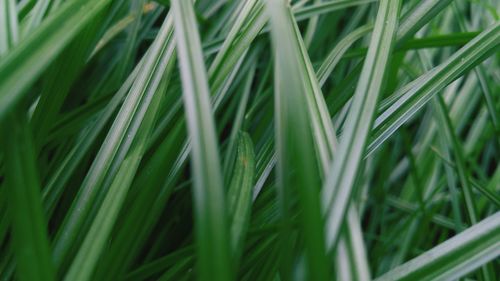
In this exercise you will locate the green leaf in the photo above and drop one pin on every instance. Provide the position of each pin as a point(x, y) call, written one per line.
point(338, 186)
point(212, 232)
point(297, 171)
point(60, 177)
point(58, 79)
point(327, 6)
point(407, 101)
point(116, 145)
point(459, 156)
point(116, 154)
point(418, 16)
point(456, 257)
point(9, 33)
point(339, 51)
point(29, 236)
point(100, 230)
point(35, 53)
point(240, 193)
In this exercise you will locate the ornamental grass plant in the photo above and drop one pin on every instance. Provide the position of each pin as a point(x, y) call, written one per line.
point(221, 140)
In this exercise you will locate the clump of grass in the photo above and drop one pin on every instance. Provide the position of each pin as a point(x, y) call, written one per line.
point(249, 140)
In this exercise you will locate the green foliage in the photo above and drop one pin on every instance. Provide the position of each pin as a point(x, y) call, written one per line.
point(249, 140)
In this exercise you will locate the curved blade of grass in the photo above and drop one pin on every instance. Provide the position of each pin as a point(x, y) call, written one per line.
point(338, 52)
point(412, 97)
point(445, 123)
point(94, 243)
point(114, 31)
point(249, 23)
point(413, 208)
point(239, 193)
point(418, 16)
point(323, 130)
point(296, 169)
point(339, 184)
point(58, 79)
point(222, 72)
point(160, 264)
point(136, 7)
point(213, 245)
point(324, 135)
point(462, 171)
point(325, 143)
point(30, 242)
point(8, 26)
point(434, 41)
point(327, 7)
point(36, 15)
point(117, 143)
point(481, 76)
point(58, 180)
point(256, 23)
point(352, 262)
point(414, 19)
point(238, 41)
point(485, 191)
point(178, 271)
point(459, 156)
point(294, 144)
point(34, 54)
point(455, 257)
point(144, 210)
point(411, 22)
point(55, 188)
point(312, 26)
point(354, 246)
point(158, 166)
point(239, 118)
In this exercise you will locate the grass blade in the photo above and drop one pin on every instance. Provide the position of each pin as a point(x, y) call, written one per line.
point(240, 193)
point(415, 95)
point(296, 169)
point(94, 243)
point(212, 231)
point(34, 54)
point(116, 145)
point(8, 26)
point(29, 229)
point(339, 184)
point(456, 257)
